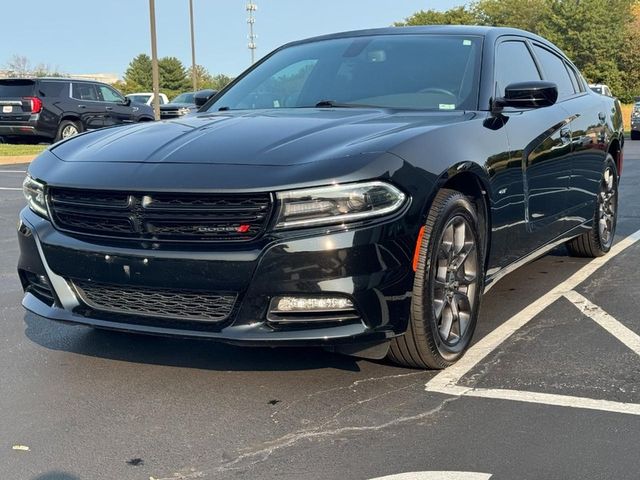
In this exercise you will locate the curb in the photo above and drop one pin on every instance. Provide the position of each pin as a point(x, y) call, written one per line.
point(10, 160)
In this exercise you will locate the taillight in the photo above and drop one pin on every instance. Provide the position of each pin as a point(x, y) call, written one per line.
point(36, 104)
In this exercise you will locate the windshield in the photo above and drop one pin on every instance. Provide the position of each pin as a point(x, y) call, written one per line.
point(139, 98)
point(397, 71)
point(184, 98)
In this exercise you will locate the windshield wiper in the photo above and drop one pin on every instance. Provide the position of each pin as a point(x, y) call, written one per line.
point(224, 109)
point(334, 104)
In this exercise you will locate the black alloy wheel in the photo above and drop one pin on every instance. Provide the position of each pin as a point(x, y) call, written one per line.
point(447, 287)
point(599, 240)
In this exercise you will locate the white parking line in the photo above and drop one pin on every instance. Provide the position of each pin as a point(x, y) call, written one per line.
point(436, 476)
point(606, 321)
point(11, 188)
point(13, 171)
point(446, 381)
point(545, 399)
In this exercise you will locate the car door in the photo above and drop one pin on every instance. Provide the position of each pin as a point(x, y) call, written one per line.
point(588, 139)
point(87, 105)
point(117, 109)
point(540, 139)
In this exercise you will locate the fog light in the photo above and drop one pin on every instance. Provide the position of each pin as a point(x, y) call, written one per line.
point(311, 304)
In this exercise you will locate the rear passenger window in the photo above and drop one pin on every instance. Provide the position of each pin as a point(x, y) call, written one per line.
point(575, 79)
point(53, 89)
point(85, 91)
point(514, 64)
point(555, 71)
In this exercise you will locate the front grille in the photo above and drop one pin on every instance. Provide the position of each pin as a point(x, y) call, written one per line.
point(156, 302)
point(170, 114)
point(161, 216)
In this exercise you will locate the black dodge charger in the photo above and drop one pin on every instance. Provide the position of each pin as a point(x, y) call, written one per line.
point(357, 191)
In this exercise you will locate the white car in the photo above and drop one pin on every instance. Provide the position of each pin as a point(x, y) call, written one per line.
point(147, 98)
point(601, 88)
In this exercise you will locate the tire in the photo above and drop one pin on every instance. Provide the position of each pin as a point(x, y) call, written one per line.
point(447, 287)
point(635, 135)
point(599, 239)
point(68, 129)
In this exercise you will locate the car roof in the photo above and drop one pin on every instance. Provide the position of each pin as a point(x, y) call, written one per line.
point(490, 33)
point(55, 79)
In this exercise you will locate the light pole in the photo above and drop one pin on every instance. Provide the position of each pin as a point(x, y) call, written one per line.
point(194, 74)
point(251, 9)
point(154, 60)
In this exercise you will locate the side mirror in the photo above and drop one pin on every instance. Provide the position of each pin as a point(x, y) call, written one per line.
point(201, 97)
point(126, 102)
point(536, 94)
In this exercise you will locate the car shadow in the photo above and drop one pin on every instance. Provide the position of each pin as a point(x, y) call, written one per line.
point(56, 476)
point(179, 352)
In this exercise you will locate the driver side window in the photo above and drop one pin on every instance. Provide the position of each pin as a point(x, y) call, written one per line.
point(514, 64)
point(109, 95)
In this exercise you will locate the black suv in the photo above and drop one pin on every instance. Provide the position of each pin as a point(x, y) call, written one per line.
point(53, 109)
point(185, 104)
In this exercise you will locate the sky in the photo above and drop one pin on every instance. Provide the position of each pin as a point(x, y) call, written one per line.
point(102, 36)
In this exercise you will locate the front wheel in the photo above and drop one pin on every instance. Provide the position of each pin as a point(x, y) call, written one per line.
point(598, 241)
point(447, 287)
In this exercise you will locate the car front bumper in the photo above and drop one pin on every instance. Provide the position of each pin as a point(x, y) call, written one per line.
point(370, 265)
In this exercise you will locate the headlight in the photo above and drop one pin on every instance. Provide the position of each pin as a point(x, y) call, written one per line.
point(337, 204)
point(34, 193)
point(184, 111)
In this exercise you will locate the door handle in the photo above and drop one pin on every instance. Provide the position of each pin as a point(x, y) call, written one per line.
point(82, 106)
point(108, 109)
point(602, 117)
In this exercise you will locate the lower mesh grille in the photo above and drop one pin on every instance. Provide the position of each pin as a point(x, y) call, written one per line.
point(156, 302)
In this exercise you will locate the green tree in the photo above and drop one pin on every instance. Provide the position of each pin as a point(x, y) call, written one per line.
point(138, 75)
point(218, 82)
point(528, 15)
point(173, 76)
point(629, 62)
point(455, 16)
point(127, 88)
point(591, 43)
point(203, 77)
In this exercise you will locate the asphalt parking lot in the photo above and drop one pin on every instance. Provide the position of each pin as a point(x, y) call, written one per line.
point(550, 390)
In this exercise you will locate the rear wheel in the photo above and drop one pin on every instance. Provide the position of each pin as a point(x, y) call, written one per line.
point(447, 287)
point(598, 241)
point(68, 129)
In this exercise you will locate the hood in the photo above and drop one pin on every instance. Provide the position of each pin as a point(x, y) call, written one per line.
point(264, 137)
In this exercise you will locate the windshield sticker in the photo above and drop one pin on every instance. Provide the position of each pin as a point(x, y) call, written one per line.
point(466, 43)
point(447, 106)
